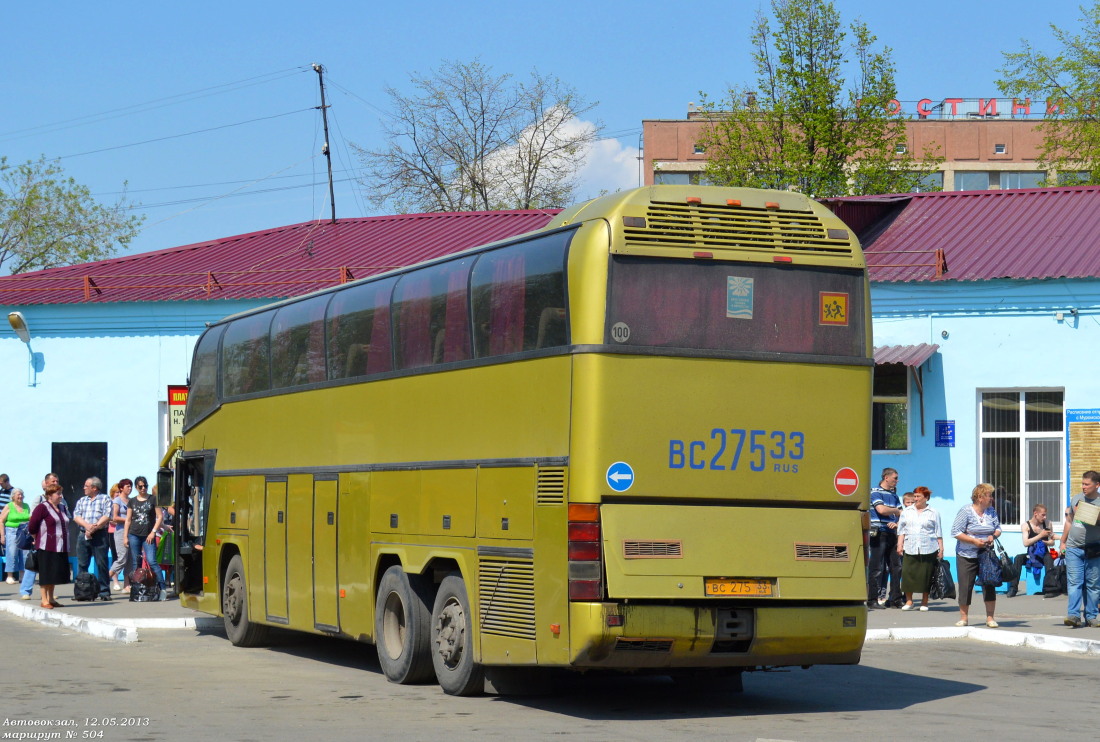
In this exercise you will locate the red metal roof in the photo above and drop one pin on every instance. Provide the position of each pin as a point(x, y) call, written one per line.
point(271, 264)
point(981, 235)
point(910, 355)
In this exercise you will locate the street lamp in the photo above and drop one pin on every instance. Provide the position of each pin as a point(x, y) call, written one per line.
point(19, 323)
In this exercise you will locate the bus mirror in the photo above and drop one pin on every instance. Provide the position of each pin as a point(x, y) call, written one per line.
point(165, 489)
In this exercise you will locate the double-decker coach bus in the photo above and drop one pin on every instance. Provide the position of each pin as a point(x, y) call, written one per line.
point(637, 439)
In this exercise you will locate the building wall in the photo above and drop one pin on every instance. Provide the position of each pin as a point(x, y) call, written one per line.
point(1000, 335)
point(102, 376)
point(967, 145)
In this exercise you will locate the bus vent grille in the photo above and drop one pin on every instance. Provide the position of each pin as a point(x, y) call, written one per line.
point(821, 552)
point(736, 227)
point(551, 487)
point(643, 645)
point(506, 594)
point(653, 550)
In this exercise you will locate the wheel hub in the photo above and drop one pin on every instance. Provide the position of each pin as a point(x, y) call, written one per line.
point(451, 630)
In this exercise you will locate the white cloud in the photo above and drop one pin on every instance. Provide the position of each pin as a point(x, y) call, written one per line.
point(609, 166)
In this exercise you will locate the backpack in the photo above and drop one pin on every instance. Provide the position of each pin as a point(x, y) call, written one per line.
point(85, 587)
point(1054, 583)
point(143, 583)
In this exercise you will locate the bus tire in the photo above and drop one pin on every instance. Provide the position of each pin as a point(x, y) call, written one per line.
point(241, 631)
point(401, 626)
point(453, 642)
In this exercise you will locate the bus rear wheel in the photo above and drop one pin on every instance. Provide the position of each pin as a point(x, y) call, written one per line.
point(401, 626)
point(240, 630)
point(452, 641)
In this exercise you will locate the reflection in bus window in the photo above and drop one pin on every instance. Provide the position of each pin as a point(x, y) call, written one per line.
point(518, 296)
point(431, 323)
point(298, 343)
point(246, 365)
point(359, 330)
point(204, 375)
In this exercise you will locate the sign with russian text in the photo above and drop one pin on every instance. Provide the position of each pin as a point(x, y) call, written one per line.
point(177, 403)
point(945, 434)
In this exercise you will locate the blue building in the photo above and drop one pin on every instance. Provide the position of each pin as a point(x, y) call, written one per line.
point(986, 309)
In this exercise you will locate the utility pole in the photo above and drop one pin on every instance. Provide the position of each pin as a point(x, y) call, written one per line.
point(325, 150)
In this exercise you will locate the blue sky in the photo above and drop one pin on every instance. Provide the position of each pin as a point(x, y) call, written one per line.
point(159, 73)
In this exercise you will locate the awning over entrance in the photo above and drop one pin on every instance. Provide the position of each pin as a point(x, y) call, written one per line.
point(910, 355)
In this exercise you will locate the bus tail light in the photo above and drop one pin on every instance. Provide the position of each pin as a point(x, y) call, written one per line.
point(585, 560)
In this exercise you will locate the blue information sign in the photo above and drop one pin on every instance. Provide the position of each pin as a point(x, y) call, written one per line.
point(945, 434)
point(620, 476)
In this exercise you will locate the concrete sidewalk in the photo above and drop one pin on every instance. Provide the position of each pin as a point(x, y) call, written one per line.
point(1026, 620)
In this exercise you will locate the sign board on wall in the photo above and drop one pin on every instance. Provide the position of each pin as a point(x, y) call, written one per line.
point(1082, 445)
point(177, 403)
point(945, 434)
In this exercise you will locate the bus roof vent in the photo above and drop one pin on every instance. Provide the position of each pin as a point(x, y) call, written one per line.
point(714, 226)
point(550, 489)
point(821, 552)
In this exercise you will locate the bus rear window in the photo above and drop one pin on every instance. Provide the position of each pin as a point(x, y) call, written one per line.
point(739, 307)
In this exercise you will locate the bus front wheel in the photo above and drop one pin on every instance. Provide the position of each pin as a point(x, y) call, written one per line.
point(452, 641)
point(240, 630)
point(401, 626)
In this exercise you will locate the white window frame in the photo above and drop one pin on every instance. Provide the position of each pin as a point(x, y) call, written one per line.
point(1023, 436)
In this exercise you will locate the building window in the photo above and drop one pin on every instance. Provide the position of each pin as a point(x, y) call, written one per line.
point(901, 148)
point(1026, 179)
point(890, 408)
point(930, 182)
point(1071, 178)
point(1022, 440)
point(661, 178)
point(971, 181)
point(1000, 149)
point(699, 149)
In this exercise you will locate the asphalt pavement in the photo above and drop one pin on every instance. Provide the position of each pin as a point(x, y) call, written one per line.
point(1025, 620)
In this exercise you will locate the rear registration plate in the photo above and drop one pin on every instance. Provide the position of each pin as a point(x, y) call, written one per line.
point(741, 588)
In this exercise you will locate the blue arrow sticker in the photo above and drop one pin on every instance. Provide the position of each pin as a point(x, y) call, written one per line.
point(620, 476)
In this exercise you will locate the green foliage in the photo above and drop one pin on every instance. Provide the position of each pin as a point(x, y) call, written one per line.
point(802, 126)
point(47, 219)
point(1068, 79)
point(469, 139)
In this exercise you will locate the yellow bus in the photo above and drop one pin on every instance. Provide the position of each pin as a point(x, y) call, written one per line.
point(637, 439)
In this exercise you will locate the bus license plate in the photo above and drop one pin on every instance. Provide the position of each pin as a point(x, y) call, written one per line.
point(741, 588)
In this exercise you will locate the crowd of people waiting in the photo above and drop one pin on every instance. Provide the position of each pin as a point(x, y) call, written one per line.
point(115, 530)
point(906, 548)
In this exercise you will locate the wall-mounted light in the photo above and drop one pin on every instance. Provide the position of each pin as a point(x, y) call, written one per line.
point(944, 334)
point(19, 323)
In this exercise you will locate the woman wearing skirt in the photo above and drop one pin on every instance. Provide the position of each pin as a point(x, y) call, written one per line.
point(920, 544)
point(50, 525)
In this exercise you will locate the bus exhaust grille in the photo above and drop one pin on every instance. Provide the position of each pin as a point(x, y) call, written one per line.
point(643, 645)
point(821, 552)
point(715, 227)
point(653, 550)
point(550, 489)
point(506, 595)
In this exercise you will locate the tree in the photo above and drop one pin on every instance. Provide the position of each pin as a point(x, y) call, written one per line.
point(1067, 81)
point(799, 126)
point(47, 219)
point(469, 139)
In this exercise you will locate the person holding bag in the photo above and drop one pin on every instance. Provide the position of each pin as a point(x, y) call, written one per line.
point(50, 525)
point(143, 520)
point(920, 545)
point(1081, 544)
point(975, 528)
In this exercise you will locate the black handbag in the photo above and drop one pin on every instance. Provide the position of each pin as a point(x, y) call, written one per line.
point(1009, 571)
point(943, 584)
point(31, 562)
point(989, 568)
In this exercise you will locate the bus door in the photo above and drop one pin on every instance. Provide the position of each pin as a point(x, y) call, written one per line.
point(192, 501)
point(326, 615)
point(275, 518)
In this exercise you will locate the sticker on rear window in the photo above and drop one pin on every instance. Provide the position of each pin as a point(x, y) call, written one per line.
point(739, 297)
point(834, 308)
point(620, 332)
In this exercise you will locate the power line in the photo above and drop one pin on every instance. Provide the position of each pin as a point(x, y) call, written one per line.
point(186, 134)
point(170, 100)
point(233, 194)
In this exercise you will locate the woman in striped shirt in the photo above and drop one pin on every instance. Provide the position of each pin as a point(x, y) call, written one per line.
point(50, 525)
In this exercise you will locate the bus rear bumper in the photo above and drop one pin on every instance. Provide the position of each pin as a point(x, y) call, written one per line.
point(656, 636)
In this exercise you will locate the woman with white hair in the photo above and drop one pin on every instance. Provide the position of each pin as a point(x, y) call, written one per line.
point(14, 514)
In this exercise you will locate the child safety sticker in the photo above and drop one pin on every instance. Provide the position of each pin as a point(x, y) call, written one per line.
point(833, 308)
point(738, 297)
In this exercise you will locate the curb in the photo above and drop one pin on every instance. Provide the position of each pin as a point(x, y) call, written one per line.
point(90, 626)
point(994, 636)
point(118, 630)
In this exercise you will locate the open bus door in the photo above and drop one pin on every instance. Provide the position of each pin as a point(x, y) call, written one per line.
point(188, 480)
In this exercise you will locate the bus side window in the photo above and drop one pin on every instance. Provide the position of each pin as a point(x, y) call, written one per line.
point(246, 355)
point(297, 343)
point(358, 329)
point(203, 395)
point(430, 317)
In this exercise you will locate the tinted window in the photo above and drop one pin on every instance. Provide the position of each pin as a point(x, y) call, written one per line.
point(430, 317)
point(518, 296)
point(203, 394)
point(298, 343)
point(359, 330)
point(246, 357)
point(735, 306)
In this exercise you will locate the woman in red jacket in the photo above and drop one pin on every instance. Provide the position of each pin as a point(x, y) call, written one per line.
point(50, 525)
